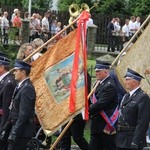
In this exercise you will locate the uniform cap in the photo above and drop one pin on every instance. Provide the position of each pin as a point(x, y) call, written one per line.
point(4, 61)
point(133, 74)
point(19, 64)
point(101, 66)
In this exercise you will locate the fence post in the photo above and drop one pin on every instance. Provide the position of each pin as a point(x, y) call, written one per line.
point(25, 31)
point(91, 38)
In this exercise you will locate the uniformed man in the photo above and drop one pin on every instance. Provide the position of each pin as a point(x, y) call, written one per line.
point(134, 115)
point(103, 109)
point(22, 108)
point(7, 86)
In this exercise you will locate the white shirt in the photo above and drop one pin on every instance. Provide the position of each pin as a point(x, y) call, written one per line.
point(19, 84)
point(12, 17)
point(5, 23)
point(137, 25)
point(125, 30)
point(117, 26)
point(131, 26)
point(131, 92)
point(34, 57)
point(2, 76)
point(103, 79)
point(45, 24)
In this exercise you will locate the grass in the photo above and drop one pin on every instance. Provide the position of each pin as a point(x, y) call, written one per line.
point(90, 67)
point(90, 63)
point(87, 131)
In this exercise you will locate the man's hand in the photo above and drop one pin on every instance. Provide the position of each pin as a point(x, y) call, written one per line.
point(92, 112)
point(12, 137)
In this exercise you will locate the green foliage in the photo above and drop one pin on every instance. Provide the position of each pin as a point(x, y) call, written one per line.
point(113, 7)
point(37, 4)
point(138, 7)
point(16, 3)
point(11, 51)
point(12, 34)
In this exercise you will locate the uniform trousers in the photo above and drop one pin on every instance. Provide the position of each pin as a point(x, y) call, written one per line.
point(102, 141)
point(76, 130)
point(111, 43)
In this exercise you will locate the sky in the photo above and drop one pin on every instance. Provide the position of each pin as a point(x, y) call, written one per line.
point(54, 5)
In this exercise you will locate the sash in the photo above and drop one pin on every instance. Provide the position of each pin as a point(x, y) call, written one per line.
point(109, 121)
point(1, 111)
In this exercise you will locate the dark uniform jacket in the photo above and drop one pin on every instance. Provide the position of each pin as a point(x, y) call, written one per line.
point(110, 28)
point(7, 86)
point(107, 100)
point(133, 120)
point(22, 110)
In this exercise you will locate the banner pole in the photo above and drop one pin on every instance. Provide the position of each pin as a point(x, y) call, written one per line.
point(71, 121)
point(61, 134)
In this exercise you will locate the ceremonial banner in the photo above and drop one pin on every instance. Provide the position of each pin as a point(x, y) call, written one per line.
point(51, 75)
point(138, 59)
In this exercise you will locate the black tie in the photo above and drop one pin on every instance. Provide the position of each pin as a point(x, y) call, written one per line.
point(15, 91)
point(126, 97)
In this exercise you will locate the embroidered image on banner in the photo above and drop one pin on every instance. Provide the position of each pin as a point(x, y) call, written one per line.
point(58, 78)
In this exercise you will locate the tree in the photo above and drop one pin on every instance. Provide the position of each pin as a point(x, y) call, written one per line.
point(36, 4)
point(138, 7)
point(113, 7)
point(11, 3)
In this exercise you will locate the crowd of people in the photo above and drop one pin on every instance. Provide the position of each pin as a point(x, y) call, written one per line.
point(118, 35)
point(42, 27)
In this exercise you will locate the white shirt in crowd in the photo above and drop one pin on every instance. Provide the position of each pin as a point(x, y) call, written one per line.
point(4, 24)
point(35, 56)
point(137, 25)
point(45, 24)
point(117, 28)
point(125, 30)
point(131, 27)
